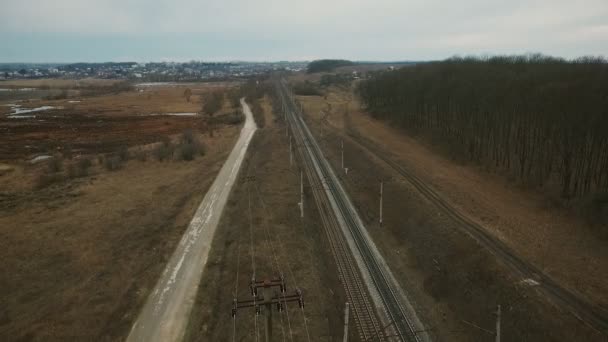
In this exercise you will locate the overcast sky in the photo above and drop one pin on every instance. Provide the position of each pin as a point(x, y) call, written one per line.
point(267, 30)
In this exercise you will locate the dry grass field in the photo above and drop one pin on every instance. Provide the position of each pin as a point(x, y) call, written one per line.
point(100, 124)
point(451, 276)
point(57, 83)
point(280, 243)
point(81, 253)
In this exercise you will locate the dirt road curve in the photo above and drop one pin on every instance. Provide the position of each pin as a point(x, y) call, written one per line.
point(165, 314)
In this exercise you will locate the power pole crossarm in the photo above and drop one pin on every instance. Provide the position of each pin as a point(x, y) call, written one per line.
point(267, 299)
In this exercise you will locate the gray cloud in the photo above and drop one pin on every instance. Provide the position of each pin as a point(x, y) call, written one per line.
point(381, 29)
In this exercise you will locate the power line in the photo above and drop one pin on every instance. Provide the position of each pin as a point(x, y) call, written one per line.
point(274, 254)
point(281, 246)
point(270, 246)
point(257, 338)
point(236, 285)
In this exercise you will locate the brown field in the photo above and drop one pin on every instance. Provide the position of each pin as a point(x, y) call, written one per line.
point(449, 275)
point(80, 255)
point(282, 243)
point(102, 123)
point(57, 83)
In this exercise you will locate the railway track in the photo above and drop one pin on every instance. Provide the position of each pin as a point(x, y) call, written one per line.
point(366, 321)
point(593, 316)
point(361, 265)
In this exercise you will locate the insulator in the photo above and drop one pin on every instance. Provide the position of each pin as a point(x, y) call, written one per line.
point(233, 313)
point(258, 309)
point(280, 307)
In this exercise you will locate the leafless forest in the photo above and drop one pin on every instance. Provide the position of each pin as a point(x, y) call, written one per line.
point(542, 121)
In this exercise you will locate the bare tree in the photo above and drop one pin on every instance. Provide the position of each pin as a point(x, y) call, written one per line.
point(542, 120)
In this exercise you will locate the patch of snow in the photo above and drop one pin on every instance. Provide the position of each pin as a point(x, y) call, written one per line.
point(39, 159)
point(17, 89)
point(155, 84)
point(172, 114)
point(530, 282)
point(21, 116)
point(18, 111)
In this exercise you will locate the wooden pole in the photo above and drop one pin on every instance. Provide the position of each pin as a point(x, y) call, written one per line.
point(498, 314)
point(301, 194)
point(268, 314)
point(346, 313)
point(381, 193)
point(342, 148)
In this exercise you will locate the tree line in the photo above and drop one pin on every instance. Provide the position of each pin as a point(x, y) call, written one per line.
point(542, 120)
point(323, 65)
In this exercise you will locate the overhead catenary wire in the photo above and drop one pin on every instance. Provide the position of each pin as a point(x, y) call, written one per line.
point(274, 255)
point(289, 268)
point(275, 264)
point(295, 113)
point(257, 337)
point(236, 285)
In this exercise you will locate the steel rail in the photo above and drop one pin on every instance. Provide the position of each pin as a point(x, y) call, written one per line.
point(377, 269)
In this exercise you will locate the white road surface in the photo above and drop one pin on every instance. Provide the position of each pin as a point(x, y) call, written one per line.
point(165, 315)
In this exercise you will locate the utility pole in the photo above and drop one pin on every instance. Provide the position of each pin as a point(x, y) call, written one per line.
point(498, 314)
point(346, 313)
point(290, 154)
point(267, 299)
point(301, 194)
point(342, 148)
point(381, 193)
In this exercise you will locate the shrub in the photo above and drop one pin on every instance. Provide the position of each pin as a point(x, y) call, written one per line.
point(306, 89)
point(164, 150)
point(190, 146)
point(66, 152)
point(187, 151)
point(71, 171)
point(202, 148)
point(113, 163)
point(188, 136)
point(258, 114)
point(62, 95)
point(233, 118)
point(212, 102)
point(97, 90)
point(141, 155)
point(82, 167)
point(55, 164)
point(124, 154)
point(46, 179)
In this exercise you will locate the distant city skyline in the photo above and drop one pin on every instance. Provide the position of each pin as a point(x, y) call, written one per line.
point(63, 31)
